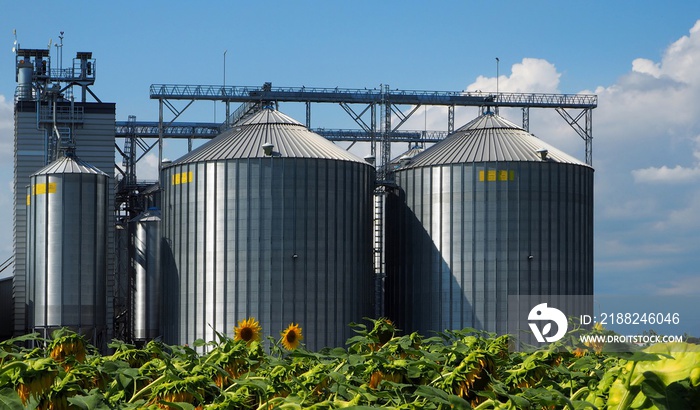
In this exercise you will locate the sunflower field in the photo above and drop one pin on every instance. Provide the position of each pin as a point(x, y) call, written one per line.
point(377, 369)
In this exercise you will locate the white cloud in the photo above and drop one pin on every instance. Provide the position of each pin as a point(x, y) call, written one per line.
point(671, 175)
point(530, 75)
point(681, 57)
point(147, 168)
point(664, 174)
point(644, 66)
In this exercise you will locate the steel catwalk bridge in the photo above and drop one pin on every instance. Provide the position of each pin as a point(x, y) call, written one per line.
point(395, 108)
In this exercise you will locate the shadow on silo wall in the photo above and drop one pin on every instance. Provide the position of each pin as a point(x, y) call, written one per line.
point(421, 292)
point(6, 306)
point(170, 285)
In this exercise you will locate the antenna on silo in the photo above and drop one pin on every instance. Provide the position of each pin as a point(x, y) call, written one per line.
point(59, 48)
point(495, 107)
point(15, 45)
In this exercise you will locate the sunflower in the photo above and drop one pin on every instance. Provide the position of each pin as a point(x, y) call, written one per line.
point(247, 330)
point(291, 336)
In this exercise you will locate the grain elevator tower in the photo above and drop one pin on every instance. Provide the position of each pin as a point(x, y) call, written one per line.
point(47, 113)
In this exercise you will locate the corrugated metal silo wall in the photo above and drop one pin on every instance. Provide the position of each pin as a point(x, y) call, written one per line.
point(95, 144)
point(67, 264)
point(279, 239)
point(147, 290)
point(466, 236)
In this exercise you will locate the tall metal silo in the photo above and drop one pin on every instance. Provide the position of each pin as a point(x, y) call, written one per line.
point(271, 221)
point(67, 211)
point(490, 212)
point(147, 284)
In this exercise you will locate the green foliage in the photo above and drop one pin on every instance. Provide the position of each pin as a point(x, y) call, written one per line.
point(458, 369)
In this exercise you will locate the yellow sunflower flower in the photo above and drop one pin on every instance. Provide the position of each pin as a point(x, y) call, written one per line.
point(291, 336)
point(247, 330)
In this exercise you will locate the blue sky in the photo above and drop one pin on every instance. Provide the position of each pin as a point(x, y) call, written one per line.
point(640, 57)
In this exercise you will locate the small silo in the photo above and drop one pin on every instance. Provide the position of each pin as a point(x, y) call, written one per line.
point(490, 212)
point(146, 264)
point(271, 221)
point(67, 210)
point(406, 157)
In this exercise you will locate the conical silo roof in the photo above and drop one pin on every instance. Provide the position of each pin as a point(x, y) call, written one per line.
point(289, 138)
point(150, 215)
point(406, 156)
point(490, 138)
point(69, 164)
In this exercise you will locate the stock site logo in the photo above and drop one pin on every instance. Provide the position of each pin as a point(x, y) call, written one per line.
point(549, 314)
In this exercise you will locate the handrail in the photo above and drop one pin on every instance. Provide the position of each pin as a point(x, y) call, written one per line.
point(371, 95)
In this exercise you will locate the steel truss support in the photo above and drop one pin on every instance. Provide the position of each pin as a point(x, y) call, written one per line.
point(585, 131)
point(308, 114)
point(383, 168)
point(254, 98)
point(526, 119)
point(357, 117)
point(373, 132)
point(402, 117)
point(368, 129)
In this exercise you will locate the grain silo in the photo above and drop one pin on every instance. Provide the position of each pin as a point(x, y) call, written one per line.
point(490, 212)
point(67, 207)
point(271, 221)
point(147, 284)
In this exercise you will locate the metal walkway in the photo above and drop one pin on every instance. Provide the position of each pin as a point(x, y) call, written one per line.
point(201, 130)
point(369, 96)
point(381, 126)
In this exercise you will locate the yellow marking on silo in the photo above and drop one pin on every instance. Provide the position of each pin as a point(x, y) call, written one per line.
point(29, 200)
point(182, 178)
point(492, 175)
point(40, 189)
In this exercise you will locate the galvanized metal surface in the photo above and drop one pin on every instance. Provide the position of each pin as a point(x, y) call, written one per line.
point(489, 138)
point(288, 137)
point(95, 139)
point(147, 287)
point(466, 235)
point(279, 238)
point(67, 243)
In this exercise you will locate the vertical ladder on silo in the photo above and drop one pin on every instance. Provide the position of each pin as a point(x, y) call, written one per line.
point(379, 250)
point(53, 143)
point(129, 159)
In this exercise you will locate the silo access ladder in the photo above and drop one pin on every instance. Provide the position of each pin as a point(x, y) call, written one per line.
point(379, 253)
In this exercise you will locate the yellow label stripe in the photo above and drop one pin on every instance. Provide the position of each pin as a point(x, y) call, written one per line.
point(492, 175)
point(182, 178)
point(40, 189)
